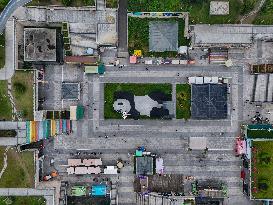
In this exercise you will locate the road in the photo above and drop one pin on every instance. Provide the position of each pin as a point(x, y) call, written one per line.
point(122, 25)
point(9, 9)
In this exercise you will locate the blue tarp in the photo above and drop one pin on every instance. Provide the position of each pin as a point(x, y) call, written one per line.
point(98, 190)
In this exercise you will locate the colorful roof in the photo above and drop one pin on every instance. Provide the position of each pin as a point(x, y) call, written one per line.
point(78, 191)
point(98, 190)
point(133, 59)
point(81, 59)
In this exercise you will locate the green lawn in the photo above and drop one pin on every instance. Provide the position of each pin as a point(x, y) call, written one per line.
point(136, 89)
point(138, 36)
point(183, 101)
point(20, 170)
point(111, 3)
point(22, 84)
point(199, 9)
point(8, 133)
point(154, 5)
point(259, 134)
point(19, 200)
point(2, 50)
point(265, 16)
point(262, 161)
point(76, 3)
point(5, 108)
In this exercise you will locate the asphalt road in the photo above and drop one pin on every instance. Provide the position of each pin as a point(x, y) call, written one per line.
point(9, 9)
point(122, 25)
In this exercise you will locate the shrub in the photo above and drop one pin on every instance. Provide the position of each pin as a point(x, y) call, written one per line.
point(19, 88)
point(67, 2)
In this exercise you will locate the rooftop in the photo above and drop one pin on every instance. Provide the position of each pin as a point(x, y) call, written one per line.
point(205, 35)
point(70, 91)
point(209, 101)
point(219, 8)
point(163, 36)
point(144, 165)
point(39, 44)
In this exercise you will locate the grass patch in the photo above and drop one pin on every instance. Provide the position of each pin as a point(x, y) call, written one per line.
point(111, 3)
point(262, 161)
point(199, 10)
point(183, 101)
point(20, 170)
point(199, 13)
point(265, 16)
point(2, 50)
point(8, 133)
point(135, 88)
point(138, 36)
point(3, 3)
point(76, 3)
point(5, 108)
point(22, 200)
point(154, 5)
point(22, 83)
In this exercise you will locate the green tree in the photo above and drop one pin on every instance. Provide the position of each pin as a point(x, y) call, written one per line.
point(67, 2)
point(20, 88)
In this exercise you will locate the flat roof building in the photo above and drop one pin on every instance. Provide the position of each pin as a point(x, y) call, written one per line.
point(209, 101)
point(70, 91)
point(163, 36)
point(144, 165)
point(40, 44)
point(230, 35)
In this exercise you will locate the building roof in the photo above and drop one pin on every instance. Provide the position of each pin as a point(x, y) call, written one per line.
point(144, 165)
point(133, 59)
point(107, 34)
point(81, 59)
point(40, 44)
point(99, 190)
point(163, 36)
point(70, 91)
point(231, 34)
point(78, 191)
point(209, 101)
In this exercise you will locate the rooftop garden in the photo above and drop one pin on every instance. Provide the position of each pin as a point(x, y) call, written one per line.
point(135, 88)
point(262, 168)
point(183, 101)
point(20, 169)
point(138, 36)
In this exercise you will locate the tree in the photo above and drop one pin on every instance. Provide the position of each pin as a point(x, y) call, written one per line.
point(20, 88)
point(67, 2)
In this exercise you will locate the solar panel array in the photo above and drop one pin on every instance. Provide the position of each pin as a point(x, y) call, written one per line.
point(209, 101)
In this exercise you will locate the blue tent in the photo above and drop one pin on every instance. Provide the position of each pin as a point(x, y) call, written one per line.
point(98, 190)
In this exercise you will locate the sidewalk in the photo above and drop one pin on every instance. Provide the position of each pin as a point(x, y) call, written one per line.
point(9, 68)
